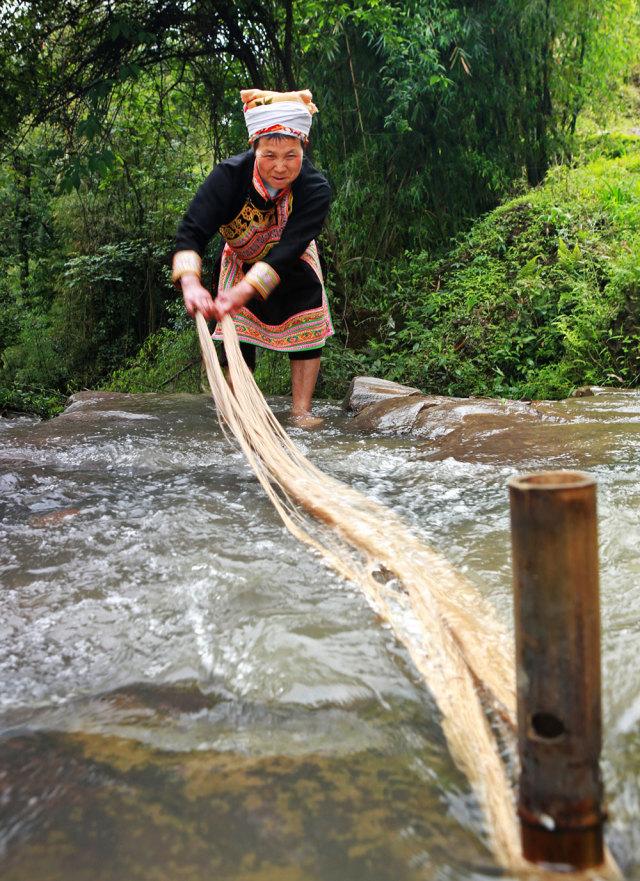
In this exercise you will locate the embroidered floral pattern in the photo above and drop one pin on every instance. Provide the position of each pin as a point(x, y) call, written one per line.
point(254, 231)
point(306, 330)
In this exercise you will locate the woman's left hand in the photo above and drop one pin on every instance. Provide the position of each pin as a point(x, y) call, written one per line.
point(230, 301)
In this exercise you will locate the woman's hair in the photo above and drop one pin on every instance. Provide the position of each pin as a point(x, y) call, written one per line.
point(278, 136)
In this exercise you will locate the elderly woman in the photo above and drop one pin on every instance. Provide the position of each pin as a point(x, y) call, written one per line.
point(269, 205)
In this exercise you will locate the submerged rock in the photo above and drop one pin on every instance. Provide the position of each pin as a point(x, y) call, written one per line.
point(585, 391)
point(86, 806)
point(523, 433)
point(53, 518)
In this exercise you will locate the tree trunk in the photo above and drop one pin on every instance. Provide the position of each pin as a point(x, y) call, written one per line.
point(287, 59)
point(22, 171)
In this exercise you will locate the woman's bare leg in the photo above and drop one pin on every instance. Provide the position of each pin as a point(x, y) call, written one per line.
point(304, 375)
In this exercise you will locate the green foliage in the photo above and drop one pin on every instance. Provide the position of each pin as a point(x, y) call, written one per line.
point(87, 267)
point(539, 297)
point(273, 373)
point(40, 402)
point(92, 324)
point(103, 300)
point(59, 58)
point(168, 361)
point(434, 113)
point(33, 357)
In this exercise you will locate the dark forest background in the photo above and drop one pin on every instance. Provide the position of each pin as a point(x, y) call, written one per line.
point(482, 156)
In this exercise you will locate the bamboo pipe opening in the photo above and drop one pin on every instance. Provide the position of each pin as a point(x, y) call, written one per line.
point(550, 480)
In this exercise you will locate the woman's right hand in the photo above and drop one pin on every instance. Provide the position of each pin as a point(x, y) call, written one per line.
point(196, 297)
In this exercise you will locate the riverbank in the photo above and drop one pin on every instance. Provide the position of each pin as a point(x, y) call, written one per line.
point(570, 433)
point(540, 297)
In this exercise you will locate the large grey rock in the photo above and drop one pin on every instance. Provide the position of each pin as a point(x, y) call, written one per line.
point(478, 429)
point(365, 390)
point(393, 415)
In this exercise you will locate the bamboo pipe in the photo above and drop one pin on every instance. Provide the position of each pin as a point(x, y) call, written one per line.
point(557, 618)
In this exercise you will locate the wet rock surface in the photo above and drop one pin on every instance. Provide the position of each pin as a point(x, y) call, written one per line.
point(584, 391)
point(142, 813)
point(93, 396)
point(562, 433)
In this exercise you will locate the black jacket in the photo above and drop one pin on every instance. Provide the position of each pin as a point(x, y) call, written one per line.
point(222, 195)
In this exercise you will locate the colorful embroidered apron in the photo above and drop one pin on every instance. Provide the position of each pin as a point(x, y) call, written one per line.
point(248, 239)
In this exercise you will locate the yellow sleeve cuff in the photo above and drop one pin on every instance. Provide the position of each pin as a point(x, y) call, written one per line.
point(263, 278)
point(185, 262)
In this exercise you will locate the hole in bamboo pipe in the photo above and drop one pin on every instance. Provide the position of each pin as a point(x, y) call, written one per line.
point(546, 726)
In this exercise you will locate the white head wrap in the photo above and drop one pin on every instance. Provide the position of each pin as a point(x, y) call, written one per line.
point(286, 113)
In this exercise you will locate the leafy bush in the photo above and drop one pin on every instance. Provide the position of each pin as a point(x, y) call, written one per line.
point(540, 296)
point(41, 402)
point(93, 323)
point(169, 360)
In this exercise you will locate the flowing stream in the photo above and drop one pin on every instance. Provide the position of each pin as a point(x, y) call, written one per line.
point(188, 693)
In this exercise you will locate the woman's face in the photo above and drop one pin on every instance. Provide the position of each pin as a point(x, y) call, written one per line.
point(279, 160)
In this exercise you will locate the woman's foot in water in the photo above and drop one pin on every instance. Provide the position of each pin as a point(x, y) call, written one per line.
point(305, 419)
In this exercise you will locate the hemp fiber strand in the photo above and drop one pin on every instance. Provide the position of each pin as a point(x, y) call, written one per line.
point(455, 641)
